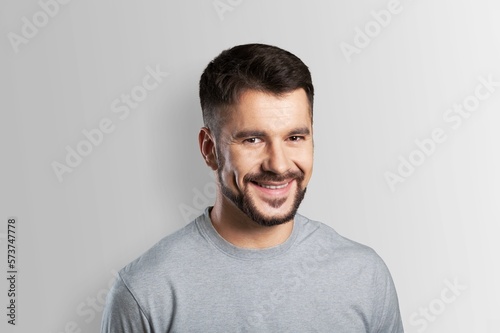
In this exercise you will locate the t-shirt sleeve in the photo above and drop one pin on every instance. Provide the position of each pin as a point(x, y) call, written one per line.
point(390, 319)
point(122, 313)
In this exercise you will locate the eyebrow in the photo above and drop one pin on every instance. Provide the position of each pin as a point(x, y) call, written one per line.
point(257, 133)
point(300, 131)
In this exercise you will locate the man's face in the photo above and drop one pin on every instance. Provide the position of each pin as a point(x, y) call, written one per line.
point(265, 155)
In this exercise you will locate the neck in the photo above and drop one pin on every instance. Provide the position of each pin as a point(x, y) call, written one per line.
point(238, 229)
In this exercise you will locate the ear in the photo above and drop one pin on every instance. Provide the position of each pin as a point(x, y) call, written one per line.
point(206, 142)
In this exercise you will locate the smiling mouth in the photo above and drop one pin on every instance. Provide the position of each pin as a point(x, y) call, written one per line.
point(273, 187)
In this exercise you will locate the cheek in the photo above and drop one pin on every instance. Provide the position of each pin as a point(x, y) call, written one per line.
point(305, 163)
point(234, 168)
point(243, 164)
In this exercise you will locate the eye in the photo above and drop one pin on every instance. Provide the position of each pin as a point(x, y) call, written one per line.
point(252, 140)
point(296, 138)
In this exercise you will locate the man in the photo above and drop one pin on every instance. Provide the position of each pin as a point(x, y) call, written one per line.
point(250, 263)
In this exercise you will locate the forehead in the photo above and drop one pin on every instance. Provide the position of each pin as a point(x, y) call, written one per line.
point(257, 110)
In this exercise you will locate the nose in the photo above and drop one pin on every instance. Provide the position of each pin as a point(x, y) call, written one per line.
point(276, 161)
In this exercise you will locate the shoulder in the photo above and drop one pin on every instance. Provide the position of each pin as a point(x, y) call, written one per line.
point(339, 248)
point(351, 264)
point(358, 271)
point(145, 285)
point(162, 259)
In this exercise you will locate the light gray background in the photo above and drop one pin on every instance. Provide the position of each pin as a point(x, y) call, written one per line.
point(440, 224)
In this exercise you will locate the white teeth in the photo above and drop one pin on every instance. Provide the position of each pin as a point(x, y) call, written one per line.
point(273, 187)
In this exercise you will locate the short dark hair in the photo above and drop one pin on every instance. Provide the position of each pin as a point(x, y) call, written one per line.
point(251, 66)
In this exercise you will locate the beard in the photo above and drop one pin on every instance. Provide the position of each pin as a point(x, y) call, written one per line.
point(245, 202)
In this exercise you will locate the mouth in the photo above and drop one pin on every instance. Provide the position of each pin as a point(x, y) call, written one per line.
point(274, 188)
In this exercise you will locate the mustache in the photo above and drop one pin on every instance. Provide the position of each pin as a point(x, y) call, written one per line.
point(267, 176)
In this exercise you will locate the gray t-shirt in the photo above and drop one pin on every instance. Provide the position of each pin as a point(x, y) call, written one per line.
point(195, 281)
